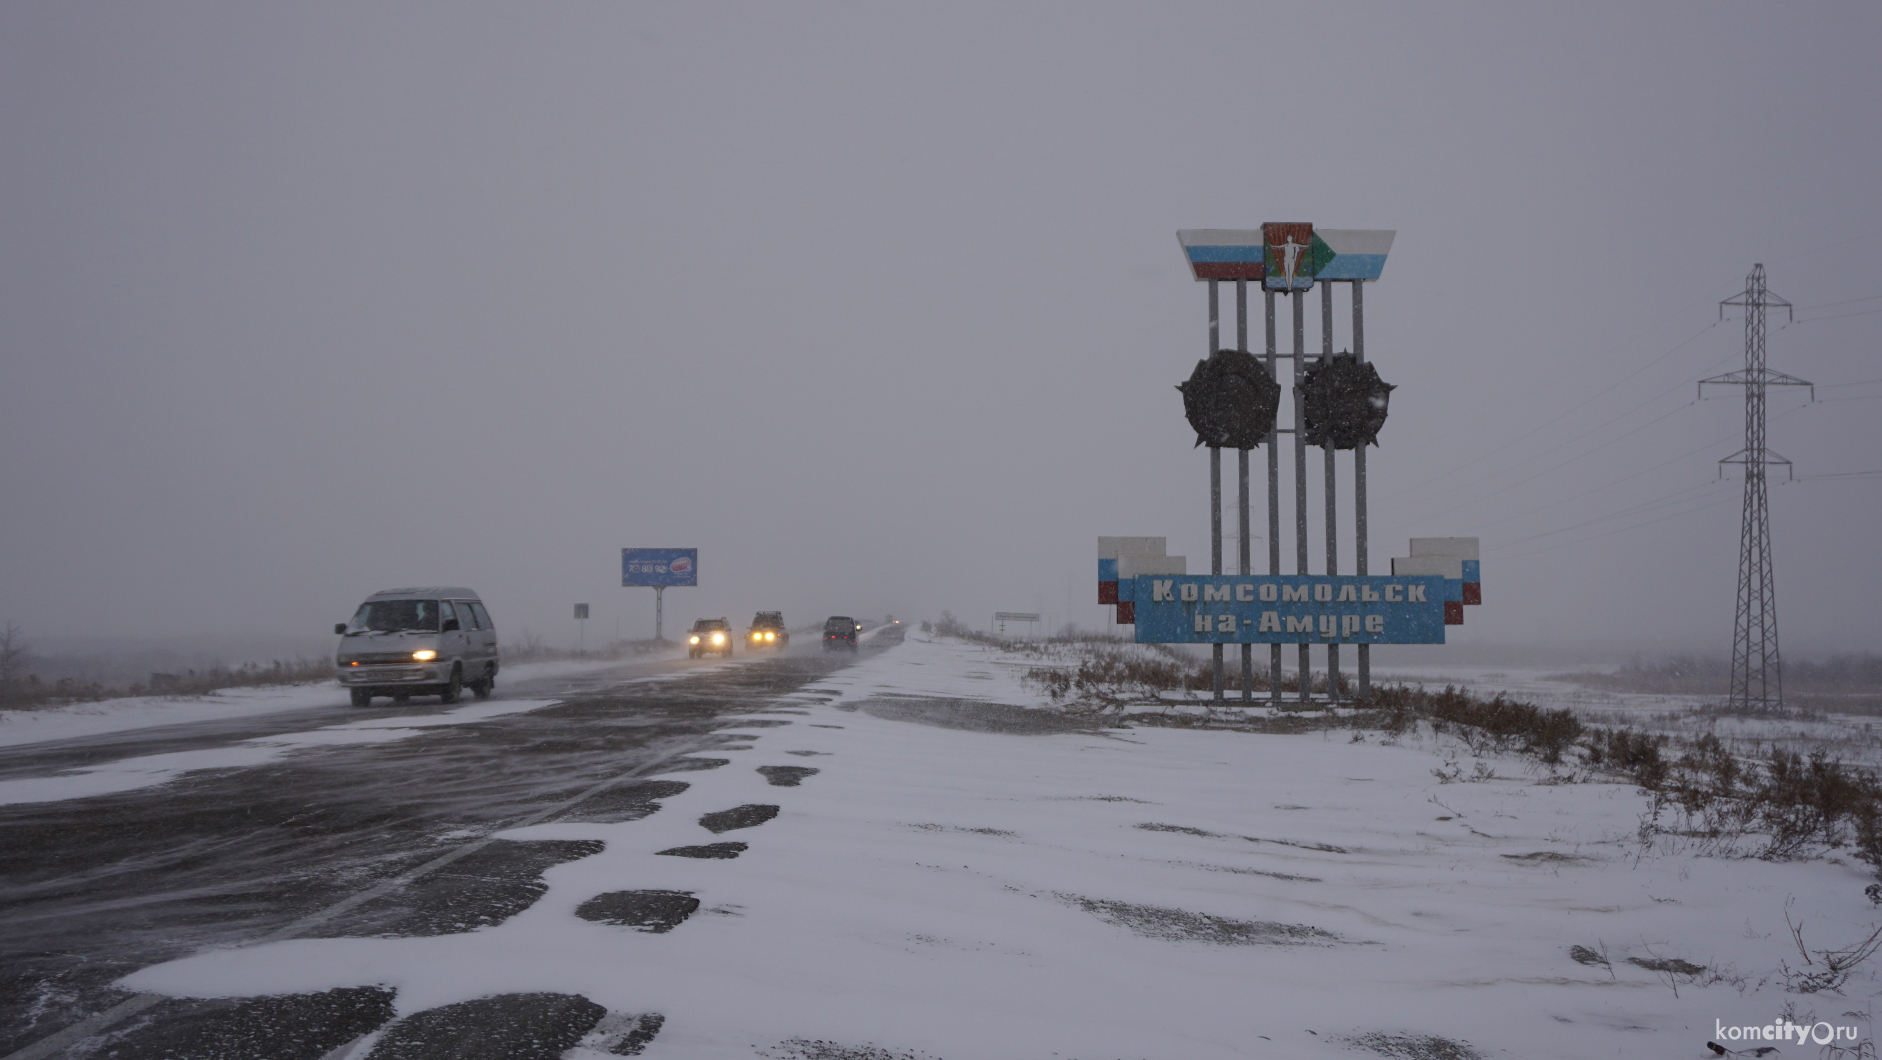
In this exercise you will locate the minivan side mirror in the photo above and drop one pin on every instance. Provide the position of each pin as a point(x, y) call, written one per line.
point(451, 626)
point(339, 629)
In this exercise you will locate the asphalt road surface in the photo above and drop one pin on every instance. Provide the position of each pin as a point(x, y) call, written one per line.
point(352, 840)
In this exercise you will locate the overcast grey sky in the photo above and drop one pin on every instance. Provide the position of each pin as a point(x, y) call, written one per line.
point(881, 306)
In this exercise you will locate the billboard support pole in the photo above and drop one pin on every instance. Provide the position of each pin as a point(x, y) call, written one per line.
point(1274, 506)
point(1332, 491)
point(659, 605)
point(1359, 485)
point(1241, 343)
point(1300, 477)
point(1215, 482)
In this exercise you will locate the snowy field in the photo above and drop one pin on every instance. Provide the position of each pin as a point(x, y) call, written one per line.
point(979, 886)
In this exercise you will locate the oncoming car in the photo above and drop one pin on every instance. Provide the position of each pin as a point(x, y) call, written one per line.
point(709, 635)
point(419, 641)
point(840, 632)
point(767, 630)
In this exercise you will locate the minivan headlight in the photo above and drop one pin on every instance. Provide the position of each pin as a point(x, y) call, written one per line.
point(718, 638)
point(424, 655)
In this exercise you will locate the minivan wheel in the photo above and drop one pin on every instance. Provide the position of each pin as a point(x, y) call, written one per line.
point(362, 698)
point(449, 693)
point(481, 687)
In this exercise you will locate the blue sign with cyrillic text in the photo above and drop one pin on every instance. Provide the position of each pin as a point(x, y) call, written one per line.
point(1287, 609)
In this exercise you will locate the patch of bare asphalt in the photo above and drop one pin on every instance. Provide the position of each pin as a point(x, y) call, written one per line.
point(1181, 925)
point(1546, 857)
point(806, 754)
point(655, 912)
point(1325, 847)
point(625, 802)
point(483, 888)
point(506, 1027)
point(973, 715)
point(787, 776)
point(750, 815)
point(293, 1027)
point(707, 850)
point(1414, 1046)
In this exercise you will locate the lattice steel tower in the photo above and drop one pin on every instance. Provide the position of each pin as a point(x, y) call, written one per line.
point(1757, 671)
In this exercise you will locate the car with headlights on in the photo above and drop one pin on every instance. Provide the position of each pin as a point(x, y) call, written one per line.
point(767, 631)
point(424, 641)
point(709, 635)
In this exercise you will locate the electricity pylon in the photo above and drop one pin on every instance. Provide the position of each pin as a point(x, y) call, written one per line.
point(1757, 670)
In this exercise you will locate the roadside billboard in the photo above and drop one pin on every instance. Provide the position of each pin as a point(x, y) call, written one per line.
point(660, 567)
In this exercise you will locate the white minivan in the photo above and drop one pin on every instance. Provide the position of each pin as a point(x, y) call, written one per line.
point(433, 641)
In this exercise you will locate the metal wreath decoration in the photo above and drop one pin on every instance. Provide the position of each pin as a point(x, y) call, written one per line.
point(1230, 400)
point(1343, 402)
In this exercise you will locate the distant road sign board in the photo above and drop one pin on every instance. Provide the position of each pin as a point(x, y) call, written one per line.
point(1288, 609)
point(581, 611)
point(659, 566)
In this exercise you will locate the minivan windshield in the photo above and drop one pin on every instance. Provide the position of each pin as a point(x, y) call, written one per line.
point(393, 616)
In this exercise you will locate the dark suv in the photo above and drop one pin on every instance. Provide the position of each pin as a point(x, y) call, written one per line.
point(767, 630)
point(839, 632)
point(710, 635)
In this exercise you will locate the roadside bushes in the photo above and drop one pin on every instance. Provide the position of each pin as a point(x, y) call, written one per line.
point(1505, 721)
point(1793, 802)
point(1109, 677)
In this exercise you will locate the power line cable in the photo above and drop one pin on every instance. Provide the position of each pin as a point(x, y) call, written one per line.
point(1493, 551)
point(1826, 246)
point(1834, 316)
point(1626, 478)
point(1544, 426)
point(1533, 431)
point(1596, 537)
point(1603, 445)
point(1584, 434)
point(1603, 486)
point(1659, 502)
point(1850, 301)
point(1838, 474)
